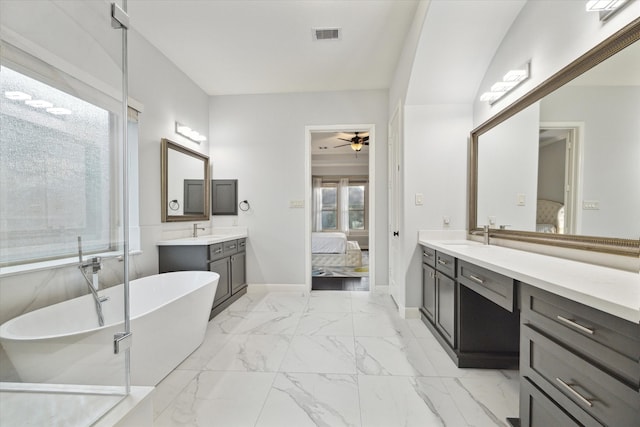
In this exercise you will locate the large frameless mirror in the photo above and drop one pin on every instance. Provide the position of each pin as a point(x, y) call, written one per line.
point(185, 183)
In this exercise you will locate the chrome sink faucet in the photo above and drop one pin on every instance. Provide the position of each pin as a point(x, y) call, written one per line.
point(195, 230)
point(485, 232)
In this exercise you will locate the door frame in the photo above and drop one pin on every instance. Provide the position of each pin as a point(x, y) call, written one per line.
point(573, 172)
point(308, 223)
point(394, 187)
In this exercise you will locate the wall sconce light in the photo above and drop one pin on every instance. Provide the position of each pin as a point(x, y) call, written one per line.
point(605, 8)
point(510, 81)
point(189, 133)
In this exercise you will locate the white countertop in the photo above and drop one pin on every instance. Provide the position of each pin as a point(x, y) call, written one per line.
point(209, 239)
point(616, 292)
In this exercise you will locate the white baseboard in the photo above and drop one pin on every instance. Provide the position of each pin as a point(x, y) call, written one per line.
point(411, 313)
point(261, 288)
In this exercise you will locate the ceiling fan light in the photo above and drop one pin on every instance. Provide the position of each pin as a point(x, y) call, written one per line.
point(356, 146)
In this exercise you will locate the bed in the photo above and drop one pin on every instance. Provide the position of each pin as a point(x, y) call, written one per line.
point(330, 249)
point(549, 217)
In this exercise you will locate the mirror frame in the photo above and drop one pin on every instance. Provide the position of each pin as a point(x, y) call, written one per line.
point(617, 246)
point(164, 172)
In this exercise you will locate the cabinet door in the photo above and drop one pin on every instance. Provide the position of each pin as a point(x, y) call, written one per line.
point(429, 292)
point(446, 307)
point(238, 272)
point(223, 290)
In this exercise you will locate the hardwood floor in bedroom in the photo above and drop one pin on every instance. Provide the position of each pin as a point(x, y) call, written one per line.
point(340, 284)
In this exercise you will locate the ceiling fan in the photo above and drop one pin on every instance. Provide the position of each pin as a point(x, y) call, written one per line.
point(356, 143)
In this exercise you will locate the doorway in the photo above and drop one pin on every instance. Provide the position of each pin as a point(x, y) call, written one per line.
point(340, 220)
point(558, 171)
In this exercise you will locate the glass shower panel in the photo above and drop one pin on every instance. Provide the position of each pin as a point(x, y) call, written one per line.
point(61, 210)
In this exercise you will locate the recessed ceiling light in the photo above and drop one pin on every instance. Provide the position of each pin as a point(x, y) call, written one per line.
point(38, 103)
point(17, 95)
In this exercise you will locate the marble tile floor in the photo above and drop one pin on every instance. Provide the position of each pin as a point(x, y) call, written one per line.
point(327, 359)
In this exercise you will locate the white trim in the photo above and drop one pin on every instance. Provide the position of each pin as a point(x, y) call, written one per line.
point(370, 128)
point(410, 313)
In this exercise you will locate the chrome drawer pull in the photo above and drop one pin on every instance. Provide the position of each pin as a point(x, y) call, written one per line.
point(232, 247)
point(576, 325)
point(427, 255)
point(433, 275)
point(219, 251)
point(476, 279)
point(575, 393)
point(442, 262)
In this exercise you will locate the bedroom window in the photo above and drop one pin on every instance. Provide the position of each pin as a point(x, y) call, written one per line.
point(357, 207)
point(329, 206)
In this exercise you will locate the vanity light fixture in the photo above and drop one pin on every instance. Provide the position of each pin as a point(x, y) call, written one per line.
point(605, 8)
point(509, 82)
point(189, 133)
point(15, 95)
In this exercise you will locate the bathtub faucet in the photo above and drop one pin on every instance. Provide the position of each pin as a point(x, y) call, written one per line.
point(95, 264)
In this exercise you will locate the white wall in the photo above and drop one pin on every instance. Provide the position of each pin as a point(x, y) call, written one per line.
point(260, 140)
point(610, 154)
point(507, 167)
point(435, 151)
point(551, 34)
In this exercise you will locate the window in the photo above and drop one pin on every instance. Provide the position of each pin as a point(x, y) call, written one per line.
point(329, 206)
point(356, 207)
point(59, 171)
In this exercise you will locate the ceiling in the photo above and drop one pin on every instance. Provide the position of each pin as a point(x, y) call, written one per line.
point(331, 141)
point(266, 46)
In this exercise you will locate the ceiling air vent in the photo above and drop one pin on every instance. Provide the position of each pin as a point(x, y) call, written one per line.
point(326, 33)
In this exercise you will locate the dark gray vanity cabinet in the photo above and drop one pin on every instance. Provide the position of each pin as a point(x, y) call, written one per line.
point(471, 311)
point(439, 295)
point(429, 284)
point(579, 366)
point(228, 259)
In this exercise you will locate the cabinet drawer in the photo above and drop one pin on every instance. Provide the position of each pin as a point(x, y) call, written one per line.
point(230, 247)
point(578, 386)
point(429, 256)
point(493, 286)
point(446, 264)
point(242, 245)
point(537, 410)
point(215, 251)
point(606, 340)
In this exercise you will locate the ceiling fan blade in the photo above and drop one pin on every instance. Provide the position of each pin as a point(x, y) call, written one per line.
point(348, 140)
point(366, 139)
point(343, 145)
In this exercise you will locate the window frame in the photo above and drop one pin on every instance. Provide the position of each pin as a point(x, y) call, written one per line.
point(56, 77)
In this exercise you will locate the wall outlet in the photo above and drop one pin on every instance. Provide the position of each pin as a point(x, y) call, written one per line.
point(591, 205)
point(446, 221)
point(521, 199)
point(296, 204)
point(492, 220)
point(419, 199)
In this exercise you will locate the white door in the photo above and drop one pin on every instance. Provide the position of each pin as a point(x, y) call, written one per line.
point(394, 204)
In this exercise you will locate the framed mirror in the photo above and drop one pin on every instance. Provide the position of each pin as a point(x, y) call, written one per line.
point(561, 165)
point(184, 183)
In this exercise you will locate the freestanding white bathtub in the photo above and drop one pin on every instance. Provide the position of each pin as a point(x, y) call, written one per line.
point(63, 343)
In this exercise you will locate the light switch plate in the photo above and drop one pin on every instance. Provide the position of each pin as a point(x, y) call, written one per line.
point(591, 205)
point(296, 204)
point(521, 199)
point(419, 199)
